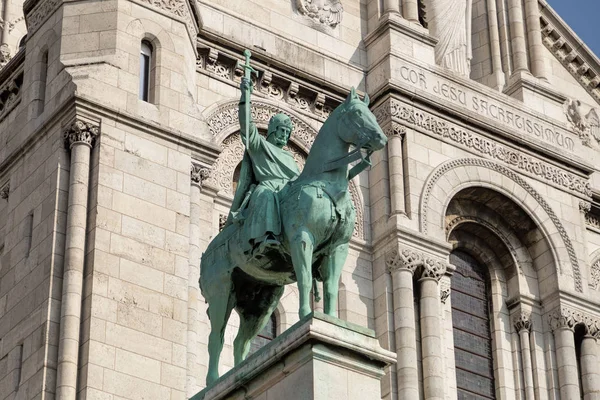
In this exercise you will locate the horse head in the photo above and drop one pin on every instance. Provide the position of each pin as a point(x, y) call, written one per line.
point(358, 125)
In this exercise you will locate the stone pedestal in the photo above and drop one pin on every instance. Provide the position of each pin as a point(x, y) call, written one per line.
point(320, 357)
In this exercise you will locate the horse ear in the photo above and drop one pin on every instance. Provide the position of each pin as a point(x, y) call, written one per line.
point(366, 100)
point(351, 95)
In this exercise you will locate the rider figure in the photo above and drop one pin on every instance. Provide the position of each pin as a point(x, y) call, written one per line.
point(271, 168)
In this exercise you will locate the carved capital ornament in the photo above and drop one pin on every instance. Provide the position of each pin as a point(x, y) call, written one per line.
point(198, 174)
point(522, 322)
point(80, 132)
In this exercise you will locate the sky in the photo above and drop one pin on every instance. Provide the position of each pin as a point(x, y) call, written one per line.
point(582, 17)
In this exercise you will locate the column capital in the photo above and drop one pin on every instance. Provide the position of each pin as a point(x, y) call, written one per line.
point(433, 268)
point(4, 191)
point(198, 174)
point(585, 206)
point(394, 129)
point(404, 258)
point(522, 321)
point(80, 131)
point(569, 317)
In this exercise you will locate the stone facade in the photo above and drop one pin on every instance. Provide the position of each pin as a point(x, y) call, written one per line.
point(107, 201)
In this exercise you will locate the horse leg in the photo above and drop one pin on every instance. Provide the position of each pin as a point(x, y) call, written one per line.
point(219, 310)
point(301, 250)
point(253, 318)
point(331, 271)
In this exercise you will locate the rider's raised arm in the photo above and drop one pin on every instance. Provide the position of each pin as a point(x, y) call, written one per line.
point(253, 136)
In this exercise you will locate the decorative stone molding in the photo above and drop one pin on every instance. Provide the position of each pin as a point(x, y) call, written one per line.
point(585, 206)
point(270, 84)
point(595, 275)
point(221, 173)
point(198, 174)
point(516, 159)
point(5, 55)
point(325, 12)
point(10, 92)
point(404, 258)
point(592, 220)
point(463, 219)
point(522, 321)
point(586, 126)
point(478, 162)
point(568, 317)
point(38, 13)
point(80, 131)
point(179, 8)
point(395, 129)
point(445, 290)
point(572, 56)
point(225, 117)
point(5, 191)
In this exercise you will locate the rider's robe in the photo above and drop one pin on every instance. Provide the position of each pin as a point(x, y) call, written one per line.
point(270, 169)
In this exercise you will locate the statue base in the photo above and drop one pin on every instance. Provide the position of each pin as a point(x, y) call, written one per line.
point(320, 357)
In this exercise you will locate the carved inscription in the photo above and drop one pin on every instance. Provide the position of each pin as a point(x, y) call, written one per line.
point(505, 114)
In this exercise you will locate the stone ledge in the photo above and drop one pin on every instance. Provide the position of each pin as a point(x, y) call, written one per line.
point(337, 345)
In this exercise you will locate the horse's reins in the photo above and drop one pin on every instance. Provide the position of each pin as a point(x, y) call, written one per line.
point(349, 158)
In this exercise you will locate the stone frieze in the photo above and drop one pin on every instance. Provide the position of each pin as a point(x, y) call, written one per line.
point(411, 117)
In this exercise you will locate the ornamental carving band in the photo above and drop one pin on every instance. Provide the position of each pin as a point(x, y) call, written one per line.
point(522, 321)
point(434, 269)
point(404, 258)
point(567, 317)
point(80, 132)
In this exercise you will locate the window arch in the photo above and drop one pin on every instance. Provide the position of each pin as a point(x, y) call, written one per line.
point(267, 334)
point(146, 72)
point(471, 327)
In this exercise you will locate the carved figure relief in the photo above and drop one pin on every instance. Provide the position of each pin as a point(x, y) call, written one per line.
point(326, 12)
point(587, 126)
point(450, 22)
point(4, 55)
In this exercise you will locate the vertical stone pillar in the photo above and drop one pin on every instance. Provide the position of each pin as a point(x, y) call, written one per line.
point(410, 10)
point(590, 363)
point(391, 6)
point(79, 139)
point(495, 45)
point(197, 175)
point(534, 38)
point(431, 329)
point(523, 326)
point(563, 323)
point(402, 264)
point(395, 134)
point(517, 35)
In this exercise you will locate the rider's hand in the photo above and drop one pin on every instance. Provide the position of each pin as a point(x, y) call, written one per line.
point(245, 87)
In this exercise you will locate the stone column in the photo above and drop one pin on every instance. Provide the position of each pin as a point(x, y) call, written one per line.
point(79, 138)
point(517, 35)
point(590, 362)
point(523, 326)
point(401, 265)
point(395, 134)
point(534, 38)
point(563, 324)
point(495, 44)
point(198, 174)
point(410, 10)
point(391, 6)
point(431, 329)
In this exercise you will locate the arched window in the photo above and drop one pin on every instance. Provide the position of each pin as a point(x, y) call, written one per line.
point(265, 336)
point(471, 329)
point(146, 71)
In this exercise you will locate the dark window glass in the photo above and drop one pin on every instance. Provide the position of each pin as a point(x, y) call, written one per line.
point(471, 327)
point(145, 59)
point(265, 336)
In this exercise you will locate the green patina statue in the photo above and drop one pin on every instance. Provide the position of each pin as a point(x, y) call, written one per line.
point(284, 226)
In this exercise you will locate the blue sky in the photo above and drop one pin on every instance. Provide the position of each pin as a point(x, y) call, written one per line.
point(582, 17)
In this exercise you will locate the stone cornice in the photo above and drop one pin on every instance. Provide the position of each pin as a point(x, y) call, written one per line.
point(571, 51)
point(390, 21)
point(395, 111)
